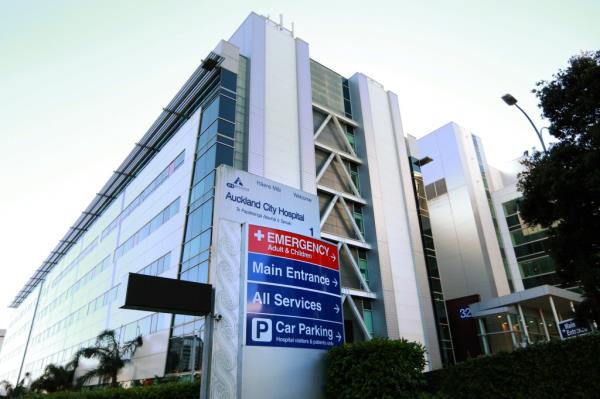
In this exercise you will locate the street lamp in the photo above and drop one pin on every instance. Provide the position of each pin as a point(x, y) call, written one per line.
point(510, 100)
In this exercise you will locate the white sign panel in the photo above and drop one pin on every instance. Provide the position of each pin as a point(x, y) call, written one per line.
point(243, 197)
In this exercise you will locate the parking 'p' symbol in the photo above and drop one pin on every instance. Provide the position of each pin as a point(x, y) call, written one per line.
point(262, 330)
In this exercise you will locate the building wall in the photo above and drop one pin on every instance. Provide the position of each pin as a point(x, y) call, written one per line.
point(469, 256)
point(17, 335)
point(80, 295)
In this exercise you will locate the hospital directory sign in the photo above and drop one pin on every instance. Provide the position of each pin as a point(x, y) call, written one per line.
point(293, 296)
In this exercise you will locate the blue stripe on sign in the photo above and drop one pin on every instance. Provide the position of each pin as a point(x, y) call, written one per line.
point(273, 269)
point(287, 301)
point(271, 330)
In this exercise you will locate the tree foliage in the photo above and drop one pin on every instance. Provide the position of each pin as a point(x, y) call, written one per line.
point(55, 378)
point(556, 369)
point(561, 188)
point(111, 357)
point(379, 368)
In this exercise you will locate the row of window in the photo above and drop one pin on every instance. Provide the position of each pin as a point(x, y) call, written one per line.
point(144, 326)
point(157, 267)
point(75, 262)
point(542, 265)
point(150, 227)
point(85, 310)
point(137, 201)
point(89, 276)
point(529, 250)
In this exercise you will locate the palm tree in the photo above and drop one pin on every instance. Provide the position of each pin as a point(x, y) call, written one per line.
point(111, 357)
point(55, 378)
point(15, 392)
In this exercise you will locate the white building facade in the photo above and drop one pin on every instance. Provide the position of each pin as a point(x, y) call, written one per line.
point(260, 104)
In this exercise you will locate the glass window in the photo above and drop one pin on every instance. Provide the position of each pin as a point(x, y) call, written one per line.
point(228, 80)
point(510, 207)
point(210, 114)
point(368, 318)
point(227, 108)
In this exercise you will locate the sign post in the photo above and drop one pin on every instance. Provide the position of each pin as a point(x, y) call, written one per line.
point(293, 296)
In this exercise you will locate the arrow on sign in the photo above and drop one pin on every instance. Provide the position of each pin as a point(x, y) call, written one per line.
point(335, 282)
point(336, 308)
point(333, 257)
point(339, 336)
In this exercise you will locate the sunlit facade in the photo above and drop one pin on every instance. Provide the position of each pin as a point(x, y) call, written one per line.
point(259, 103)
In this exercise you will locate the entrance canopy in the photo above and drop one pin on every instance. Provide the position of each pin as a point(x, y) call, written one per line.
point(516, 320)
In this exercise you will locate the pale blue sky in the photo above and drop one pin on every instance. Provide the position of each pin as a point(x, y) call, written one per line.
point(81, 81)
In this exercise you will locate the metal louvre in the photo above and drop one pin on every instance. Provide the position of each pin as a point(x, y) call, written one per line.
point(179, 109)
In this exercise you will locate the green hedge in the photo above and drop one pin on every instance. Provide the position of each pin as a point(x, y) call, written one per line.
point(178, 390)
point(378, 368)
point(558, 369)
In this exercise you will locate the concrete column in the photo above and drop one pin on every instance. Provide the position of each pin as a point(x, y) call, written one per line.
point(486, 346)
point(512, 332)
point(525, 329)
point(555, 314)
point(544, 324)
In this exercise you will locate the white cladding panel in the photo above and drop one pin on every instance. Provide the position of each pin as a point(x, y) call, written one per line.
point(469, 257)
point(405, 288)
point(282, 147)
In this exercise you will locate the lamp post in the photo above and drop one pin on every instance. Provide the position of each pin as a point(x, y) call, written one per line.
point(510, 100)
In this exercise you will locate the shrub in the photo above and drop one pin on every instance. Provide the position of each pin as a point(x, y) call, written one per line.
point(558, 369)
point(182, 390)
point(379, 368)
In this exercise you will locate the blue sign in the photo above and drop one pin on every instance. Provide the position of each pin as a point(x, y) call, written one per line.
point(288, 301)
point(465, 313)
point(293, 295)
point(278, 270)
point(573, 328)
point(270, 330)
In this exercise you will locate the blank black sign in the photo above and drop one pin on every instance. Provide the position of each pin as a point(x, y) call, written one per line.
point(167, 295)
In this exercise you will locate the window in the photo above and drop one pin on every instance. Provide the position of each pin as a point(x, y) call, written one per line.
point(368, 316)
point(157, 267)
point(362, 265)
point(435, 189)
point(148, 229)
point(351, 137)
point(353, 169)
point(158, 180)
point(358, 218)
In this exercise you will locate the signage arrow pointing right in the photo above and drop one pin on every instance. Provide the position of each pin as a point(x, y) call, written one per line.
point(339, 336)
point(335, 282)
point(336, 308)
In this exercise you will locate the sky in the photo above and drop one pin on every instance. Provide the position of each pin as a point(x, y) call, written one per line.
point(82, 81)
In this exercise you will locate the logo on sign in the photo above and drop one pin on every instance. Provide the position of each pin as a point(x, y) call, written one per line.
point(237, 183)
point(262, 330)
